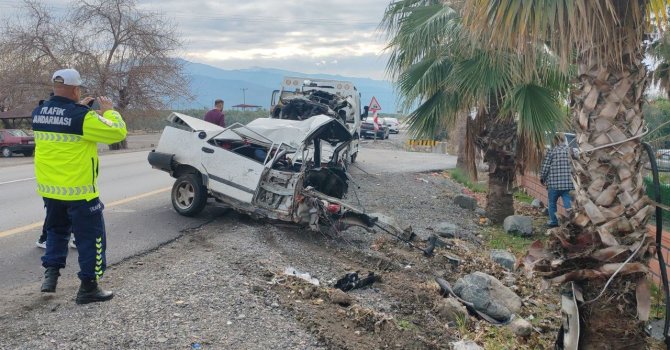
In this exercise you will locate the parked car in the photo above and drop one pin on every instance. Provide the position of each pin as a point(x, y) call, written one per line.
point(280, 169)
point(16, 141)
point(393, 124)
point(368, 129)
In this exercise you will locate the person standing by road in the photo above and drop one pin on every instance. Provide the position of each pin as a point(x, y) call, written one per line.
point(66, 170)
point(556, 174)
point(216, 116)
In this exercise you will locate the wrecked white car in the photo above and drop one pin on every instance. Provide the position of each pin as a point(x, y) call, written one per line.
point(270, 168)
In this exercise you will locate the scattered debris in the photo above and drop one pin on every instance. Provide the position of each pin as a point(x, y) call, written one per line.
point(290, 271)
point(352, 281)
point(518, 224)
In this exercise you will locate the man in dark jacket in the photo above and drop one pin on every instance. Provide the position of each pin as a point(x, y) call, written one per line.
point(556, 174)
point(216, 116)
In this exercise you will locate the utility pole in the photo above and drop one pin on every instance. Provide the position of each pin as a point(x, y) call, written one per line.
point(244, 96)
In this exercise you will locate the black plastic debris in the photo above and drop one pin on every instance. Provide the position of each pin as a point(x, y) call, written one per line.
point(353, 281)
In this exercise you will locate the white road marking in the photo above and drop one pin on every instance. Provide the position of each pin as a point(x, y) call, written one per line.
point(19, 180)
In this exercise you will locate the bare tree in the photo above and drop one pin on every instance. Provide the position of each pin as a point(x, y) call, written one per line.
point(120, 50)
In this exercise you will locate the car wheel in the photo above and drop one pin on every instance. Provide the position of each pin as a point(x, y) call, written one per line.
point(353, 157)
point(189, 195)
point(6, 152)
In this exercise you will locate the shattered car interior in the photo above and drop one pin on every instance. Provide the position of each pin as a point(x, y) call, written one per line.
point(304, 105)
point(271, 168)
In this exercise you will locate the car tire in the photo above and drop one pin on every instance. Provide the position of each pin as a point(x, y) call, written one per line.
point(353, 157)
point(189, 195)
point(6, 152)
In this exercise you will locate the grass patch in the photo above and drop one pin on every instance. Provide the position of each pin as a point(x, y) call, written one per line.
point(499, 239)
point(523, 197)
point(462, 178)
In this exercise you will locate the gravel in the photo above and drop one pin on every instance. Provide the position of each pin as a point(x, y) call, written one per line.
point(221, 286)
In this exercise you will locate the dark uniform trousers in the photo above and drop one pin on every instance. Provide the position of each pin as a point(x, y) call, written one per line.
point(85, 220)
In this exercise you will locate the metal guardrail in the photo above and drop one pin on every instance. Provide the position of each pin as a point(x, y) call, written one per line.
point(426, 143)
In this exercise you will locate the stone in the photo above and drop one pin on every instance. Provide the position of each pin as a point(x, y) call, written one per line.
point(536, 203)
point(446, 229)
point(480, 212)
point(339, 297)
point(521, 327)
point(449, 230)
point(518, 224)
point(465, 202)
point(451, 310)
point(466, 345)
point(488, 295)
point(503, 258)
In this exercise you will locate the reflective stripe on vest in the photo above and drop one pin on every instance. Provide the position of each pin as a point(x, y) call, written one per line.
point(56, 137)
point(63, 191)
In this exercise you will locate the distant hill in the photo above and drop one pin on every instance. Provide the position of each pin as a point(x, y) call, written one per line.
point(209, 83)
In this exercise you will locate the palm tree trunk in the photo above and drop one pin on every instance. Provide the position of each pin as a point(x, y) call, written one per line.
point(461, 125)
point(610, 209)
point(498, 139)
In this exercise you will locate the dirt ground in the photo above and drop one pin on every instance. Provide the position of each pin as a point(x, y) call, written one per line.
point(223, 285)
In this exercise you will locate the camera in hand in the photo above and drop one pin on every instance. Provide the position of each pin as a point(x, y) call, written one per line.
point(94, 104)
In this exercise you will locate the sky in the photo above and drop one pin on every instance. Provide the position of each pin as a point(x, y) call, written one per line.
point(308, 36)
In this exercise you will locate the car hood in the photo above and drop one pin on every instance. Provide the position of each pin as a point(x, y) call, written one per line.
point(298, 132)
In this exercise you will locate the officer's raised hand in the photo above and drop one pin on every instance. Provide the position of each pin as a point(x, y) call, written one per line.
point(105, 104)
point(86, 100)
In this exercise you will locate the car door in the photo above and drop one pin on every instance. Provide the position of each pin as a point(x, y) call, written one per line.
point(231, 174)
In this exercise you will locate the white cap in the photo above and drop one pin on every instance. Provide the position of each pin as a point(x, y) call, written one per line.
point(67, 76)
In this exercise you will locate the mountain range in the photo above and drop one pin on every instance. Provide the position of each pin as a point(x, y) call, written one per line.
point(209, 83)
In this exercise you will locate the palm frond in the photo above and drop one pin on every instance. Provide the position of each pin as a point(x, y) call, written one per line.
point(434, 115)
point(538, 112)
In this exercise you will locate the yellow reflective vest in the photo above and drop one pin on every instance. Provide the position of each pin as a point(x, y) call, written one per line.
point(66, 151)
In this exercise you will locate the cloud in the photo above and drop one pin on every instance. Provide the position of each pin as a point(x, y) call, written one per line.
point(336, 37)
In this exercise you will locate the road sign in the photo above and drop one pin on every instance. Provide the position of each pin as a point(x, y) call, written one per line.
point(374, 105)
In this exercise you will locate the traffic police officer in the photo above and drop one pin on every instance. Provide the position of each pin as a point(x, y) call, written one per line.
point(66, 170)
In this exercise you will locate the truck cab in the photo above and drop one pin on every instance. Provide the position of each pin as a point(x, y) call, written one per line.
point(303, 98)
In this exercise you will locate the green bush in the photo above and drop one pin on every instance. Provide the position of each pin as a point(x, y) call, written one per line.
point(665, 195)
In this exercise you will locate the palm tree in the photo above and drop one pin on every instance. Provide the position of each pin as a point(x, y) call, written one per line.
point(605, 248)
point(447, 75)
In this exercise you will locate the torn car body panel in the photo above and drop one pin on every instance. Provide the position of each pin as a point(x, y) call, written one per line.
point(279, 169)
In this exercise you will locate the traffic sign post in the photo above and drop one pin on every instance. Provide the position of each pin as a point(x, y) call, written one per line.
point(374, 105)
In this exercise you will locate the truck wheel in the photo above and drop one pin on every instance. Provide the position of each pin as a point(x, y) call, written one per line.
point(189, 195)
point(353, 157)
point(6, 152)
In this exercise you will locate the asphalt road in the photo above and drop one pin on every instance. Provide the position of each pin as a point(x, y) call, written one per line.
point(138, 214)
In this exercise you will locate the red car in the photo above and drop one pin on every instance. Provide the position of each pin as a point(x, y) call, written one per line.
point(16, 141)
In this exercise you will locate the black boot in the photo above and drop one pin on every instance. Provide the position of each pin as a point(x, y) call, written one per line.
point(89, 292)
point(50, 280)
